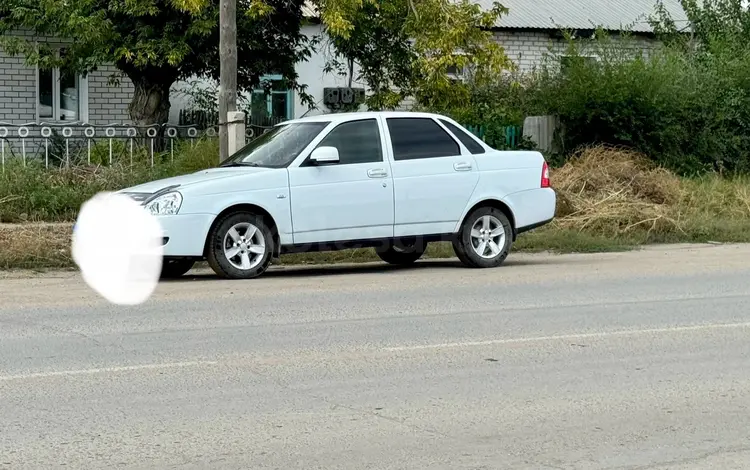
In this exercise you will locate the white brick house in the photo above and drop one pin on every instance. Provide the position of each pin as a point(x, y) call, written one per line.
point(28, 94)
point(532, 29)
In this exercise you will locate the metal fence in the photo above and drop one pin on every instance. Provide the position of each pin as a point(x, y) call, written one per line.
point(203, 120)
point(56, 145)
point(65, 145)
point(511, 136)
point(70, 144)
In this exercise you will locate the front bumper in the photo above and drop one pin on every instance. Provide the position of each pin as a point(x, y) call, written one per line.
point(185, 235)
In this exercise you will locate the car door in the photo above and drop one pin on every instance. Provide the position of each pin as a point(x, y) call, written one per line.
point(348, 200)
point(433, 176)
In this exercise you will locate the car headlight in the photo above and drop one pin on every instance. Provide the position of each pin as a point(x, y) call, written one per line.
point(166, 204)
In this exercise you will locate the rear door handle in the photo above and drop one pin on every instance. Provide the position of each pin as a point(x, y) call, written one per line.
point(462, 166)
point(377, 173)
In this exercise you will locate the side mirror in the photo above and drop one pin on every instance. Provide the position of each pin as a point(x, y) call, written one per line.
point(324, 155)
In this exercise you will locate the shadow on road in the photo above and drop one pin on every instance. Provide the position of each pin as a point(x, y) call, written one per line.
point(281, 271)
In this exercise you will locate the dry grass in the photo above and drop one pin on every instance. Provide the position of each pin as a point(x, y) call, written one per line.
point(32, 246)
point(608, 199)
point(616, 192)
point(47, 246)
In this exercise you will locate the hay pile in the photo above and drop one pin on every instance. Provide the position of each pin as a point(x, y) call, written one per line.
point(612, 191)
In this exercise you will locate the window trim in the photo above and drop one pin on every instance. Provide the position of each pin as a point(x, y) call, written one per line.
point(429, 118)
point(307, 162)
point(83, 98)
point(458, 76)
point(269, 97)
point(469, 134)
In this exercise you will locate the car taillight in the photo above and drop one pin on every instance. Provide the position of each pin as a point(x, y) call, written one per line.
point(545, 175)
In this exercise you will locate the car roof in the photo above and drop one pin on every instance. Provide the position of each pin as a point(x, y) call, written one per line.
point(340, 117)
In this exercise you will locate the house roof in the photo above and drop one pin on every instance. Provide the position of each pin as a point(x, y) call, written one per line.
point(615, 15)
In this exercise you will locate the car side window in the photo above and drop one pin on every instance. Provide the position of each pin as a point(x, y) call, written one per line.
point(356, 141)
point(465, 139)
point(415, 138)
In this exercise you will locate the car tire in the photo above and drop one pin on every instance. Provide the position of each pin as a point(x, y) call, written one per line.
point(401, 254)
point(175, 268)
point(480, 243)
point(240, 246)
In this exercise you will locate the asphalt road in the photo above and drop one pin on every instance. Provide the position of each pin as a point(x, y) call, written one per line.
point(631, 360)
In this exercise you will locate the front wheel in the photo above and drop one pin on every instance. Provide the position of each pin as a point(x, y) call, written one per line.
point(401, 253)
point(485, 238)
point(240, 246)
point(174, 268)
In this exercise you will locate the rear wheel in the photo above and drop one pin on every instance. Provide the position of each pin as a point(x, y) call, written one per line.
point(485, 238)
point(174, 268)
point(402, 253)
point(240, 246)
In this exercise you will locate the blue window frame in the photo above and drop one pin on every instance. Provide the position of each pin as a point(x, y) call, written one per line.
point(277, 105)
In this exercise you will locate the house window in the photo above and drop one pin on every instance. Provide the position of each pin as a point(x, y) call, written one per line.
point(455, 73)
point(272, 106)
point(61, 96)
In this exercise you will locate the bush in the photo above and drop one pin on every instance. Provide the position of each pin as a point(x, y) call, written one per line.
point(34, 193)
point(685, 106)
point(493, 107)
point(688, 110)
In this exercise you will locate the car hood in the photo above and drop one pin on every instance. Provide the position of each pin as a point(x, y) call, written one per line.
point(192, 179)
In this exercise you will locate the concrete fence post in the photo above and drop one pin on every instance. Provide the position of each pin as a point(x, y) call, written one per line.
point(541, 131)
point(235, 131)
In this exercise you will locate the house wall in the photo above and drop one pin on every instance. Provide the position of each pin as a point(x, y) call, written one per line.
point(17, 90)
point(18, 93)
point(527, 49)
point(312, 73)
point(108, 104)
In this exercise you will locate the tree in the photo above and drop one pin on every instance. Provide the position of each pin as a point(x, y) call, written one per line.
point(155, 43)
point(714, 25)
point(405, 47)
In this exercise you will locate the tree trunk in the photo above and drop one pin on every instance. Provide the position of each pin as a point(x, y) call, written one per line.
point(149, 108)
point(150, 104)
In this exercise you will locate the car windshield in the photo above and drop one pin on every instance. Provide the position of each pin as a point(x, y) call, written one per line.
point(278, 147)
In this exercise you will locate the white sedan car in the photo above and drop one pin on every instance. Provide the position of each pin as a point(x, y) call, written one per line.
point(395, 181)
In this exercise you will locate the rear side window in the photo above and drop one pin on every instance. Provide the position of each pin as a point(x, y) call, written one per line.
point(415, 138)
point(465, 139)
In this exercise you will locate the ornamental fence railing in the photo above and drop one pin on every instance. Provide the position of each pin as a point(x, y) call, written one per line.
point(74, 144)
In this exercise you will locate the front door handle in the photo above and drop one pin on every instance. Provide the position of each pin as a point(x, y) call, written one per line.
point(377, 173)
point(462, 166)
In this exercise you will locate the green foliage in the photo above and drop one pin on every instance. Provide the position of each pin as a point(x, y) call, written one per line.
point(687, 109)
point(155, 42)
point(717, 26)
point(405, 48)
point(33, 193)
point(379, 45)
point(686, 104)
point(495, 106)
